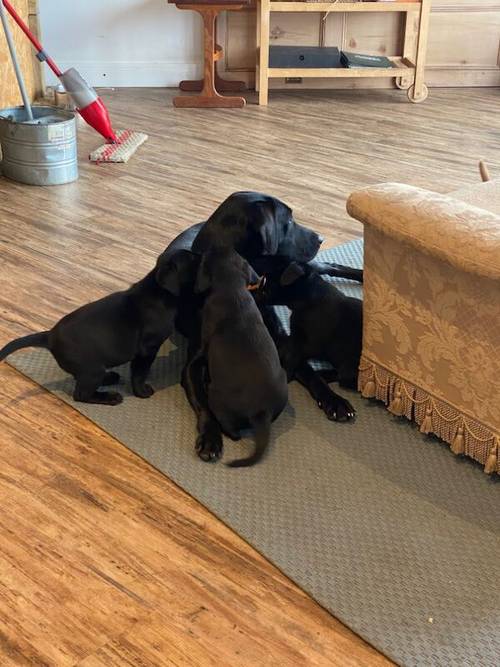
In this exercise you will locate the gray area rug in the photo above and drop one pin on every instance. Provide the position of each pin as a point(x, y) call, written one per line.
point(383, 526)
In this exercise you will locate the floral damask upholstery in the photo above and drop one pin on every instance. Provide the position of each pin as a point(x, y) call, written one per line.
point(431, 339)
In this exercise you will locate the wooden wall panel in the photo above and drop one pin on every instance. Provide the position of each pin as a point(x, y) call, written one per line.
point(464, 42)
point(381, 35)
point(237, 30)
point(9, 92)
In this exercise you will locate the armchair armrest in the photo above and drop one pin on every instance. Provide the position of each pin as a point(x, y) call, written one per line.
point(459, 233)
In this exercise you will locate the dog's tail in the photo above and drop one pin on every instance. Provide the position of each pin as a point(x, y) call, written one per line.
point(33, 340)
point(261, 425)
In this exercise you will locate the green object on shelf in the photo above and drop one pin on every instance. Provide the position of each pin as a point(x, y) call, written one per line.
point(362, 61)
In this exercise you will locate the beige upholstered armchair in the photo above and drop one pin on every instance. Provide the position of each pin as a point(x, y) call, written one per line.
point(431, 340)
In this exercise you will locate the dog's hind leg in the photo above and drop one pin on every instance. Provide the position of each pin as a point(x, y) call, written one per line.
point(194, 382)
point(86, 389)
point(334, 406)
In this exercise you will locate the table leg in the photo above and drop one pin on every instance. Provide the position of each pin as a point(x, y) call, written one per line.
point(410, 35)
point(221, 85)
point(208, 97)
point(418, 92)
point(263, 18)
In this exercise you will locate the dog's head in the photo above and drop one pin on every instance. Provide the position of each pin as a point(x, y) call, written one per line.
point(177, 271)
point(256, 224)
point(226, 269)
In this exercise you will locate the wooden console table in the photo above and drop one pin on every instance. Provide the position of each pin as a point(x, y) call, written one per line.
point(408, 75)
point(212, 83)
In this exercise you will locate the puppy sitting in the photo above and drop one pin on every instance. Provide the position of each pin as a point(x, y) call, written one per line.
point(325, 325)
point(246, 386)
point(124, 326)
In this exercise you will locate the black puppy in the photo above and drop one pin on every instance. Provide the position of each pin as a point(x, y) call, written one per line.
point(247, 386)
point(325, 325)
point(121, 327)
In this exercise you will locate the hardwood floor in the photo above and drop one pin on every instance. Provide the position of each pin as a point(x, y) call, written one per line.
point(104, 561)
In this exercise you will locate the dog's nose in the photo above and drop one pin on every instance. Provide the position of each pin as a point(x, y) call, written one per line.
point(320, 239)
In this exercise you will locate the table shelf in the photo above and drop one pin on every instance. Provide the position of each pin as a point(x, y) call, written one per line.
point(401, 67)
point(340, 7)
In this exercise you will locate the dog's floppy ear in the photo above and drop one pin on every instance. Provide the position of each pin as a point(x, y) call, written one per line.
point(203, 278)
point(292, 273)
point(268, 230)
point(173, 272)
point(167, 276)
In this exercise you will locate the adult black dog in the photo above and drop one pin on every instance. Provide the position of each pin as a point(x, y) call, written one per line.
point(247, 386)
point(256, 226)
point(325, 325)
point(121, 327)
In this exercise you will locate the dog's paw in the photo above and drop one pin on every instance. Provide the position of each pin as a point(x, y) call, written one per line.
point(143, 391)
point(110, 377)
point(209, 447)
point(112, 398)
point(338, 409)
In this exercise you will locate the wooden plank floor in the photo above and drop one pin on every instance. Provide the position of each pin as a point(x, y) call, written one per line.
point(103, 561)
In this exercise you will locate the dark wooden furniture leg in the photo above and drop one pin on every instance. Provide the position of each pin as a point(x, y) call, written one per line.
point(221, 85)
point(209, 97)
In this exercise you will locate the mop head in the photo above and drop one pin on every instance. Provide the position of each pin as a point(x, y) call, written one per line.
point(128, 143)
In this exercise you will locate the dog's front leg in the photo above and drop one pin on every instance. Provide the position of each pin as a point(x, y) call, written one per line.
point(334, 406)
point(337, 270)
point(273, 324)
point(139, 370)
point(290, 355)
point(194, 382)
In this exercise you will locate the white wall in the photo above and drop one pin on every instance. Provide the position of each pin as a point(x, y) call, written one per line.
point(122, 42)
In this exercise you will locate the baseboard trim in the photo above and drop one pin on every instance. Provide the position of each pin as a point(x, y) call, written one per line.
point(162, 74)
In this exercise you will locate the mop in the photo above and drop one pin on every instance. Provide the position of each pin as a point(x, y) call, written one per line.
point(120, 145)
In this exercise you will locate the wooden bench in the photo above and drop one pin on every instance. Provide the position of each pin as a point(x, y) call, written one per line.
point(212, 83)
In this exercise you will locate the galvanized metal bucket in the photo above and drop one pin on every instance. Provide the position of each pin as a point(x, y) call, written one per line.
point(40, 152)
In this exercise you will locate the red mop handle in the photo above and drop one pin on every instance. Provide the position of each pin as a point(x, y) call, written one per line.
point(41, 55)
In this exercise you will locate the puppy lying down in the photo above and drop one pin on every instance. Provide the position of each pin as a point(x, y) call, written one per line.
point(124, 326)
point(325, 325)
point(247, 386)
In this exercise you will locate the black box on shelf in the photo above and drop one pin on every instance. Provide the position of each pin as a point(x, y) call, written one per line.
point(291, 57)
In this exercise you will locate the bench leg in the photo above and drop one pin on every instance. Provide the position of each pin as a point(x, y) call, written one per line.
point(208, 97)
point(221, 85)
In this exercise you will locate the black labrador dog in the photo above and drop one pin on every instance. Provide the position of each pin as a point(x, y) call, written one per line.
point(121, 327)
point(246, 385)
point(325, 325)
point(256, 226)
